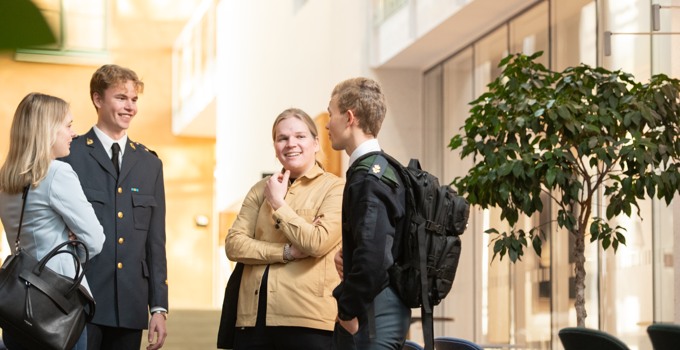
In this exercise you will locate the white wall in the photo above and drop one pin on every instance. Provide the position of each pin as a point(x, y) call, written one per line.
point(270, 58)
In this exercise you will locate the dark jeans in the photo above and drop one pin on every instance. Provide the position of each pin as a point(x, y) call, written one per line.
point(391, 322)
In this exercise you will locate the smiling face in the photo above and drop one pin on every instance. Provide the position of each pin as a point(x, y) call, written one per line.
point(116, 108)
point(62, 142)
point(295, 146)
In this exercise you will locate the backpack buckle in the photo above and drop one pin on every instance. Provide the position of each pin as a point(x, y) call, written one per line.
point(432, 226)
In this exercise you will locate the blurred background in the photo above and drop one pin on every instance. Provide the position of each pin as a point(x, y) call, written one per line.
point(217, 72)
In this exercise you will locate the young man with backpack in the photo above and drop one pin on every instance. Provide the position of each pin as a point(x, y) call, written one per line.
point(370, 313)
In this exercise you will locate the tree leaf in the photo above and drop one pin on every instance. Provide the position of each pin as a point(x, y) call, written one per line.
point(537, 244)
point(550, 177)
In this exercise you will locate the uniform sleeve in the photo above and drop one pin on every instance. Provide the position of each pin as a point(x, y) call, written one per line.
point(372, 220)
point(241, 244)
point(155, 247)
point(315, 238)
point(67, 198)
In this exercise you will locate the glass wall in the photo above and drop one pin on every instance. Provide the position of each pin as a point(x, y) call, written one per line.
point(525, 304)
point(573, 41)
point(434, 143)
point(629, 305)
point(532, 277)
point(457, 91)
point(496, 313)
point(665, 58)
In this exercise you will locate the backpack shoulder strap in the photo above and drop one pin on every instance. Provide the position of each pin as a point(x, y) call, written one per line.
point(377, 165)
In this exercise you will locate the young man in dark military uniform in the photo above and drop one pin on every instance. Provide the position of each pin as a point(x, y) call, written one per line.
point(370, 314)
point(123, 181)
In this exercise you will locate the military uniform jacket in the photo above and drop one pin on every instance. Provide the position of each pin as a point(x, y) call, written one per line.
point(372, 211)
point(130, 274)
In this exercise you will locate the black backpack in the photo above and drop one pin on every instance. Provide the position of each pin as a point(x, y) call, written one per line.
point(429, 248)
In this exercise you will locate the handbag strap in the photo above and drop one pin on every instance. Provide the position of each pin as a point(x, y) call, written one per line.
point(17, 246)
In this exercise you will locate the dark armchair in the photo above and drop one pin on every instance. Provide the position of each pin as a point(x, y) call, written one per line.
point(664, 336)
point(451, 343)
point(411, 345)
point(579, 338)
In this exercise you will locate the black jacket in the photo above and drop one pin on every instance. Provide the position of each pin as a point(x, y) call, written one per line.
point(373, 208)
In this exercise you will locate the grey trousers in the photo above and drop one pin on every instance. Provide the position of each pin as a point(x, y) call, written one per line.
point(387, 328)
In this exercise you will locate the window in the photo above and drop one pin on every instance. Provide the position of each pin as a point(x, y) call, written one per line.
point(383, 9)
point(80, 29)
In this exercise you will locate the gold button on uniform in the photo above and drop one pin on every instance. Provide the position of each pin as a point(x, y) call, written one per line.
point(120, 265)
point(120, 190)
point(121, 240)
point(120, 214)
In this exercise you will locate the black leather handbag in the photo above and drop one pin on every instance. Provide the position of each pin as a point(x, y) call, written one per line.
point(39, 307)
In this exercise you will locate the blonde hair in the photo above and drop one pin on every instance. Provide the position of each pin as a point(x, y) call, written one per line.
point(365, 98)
point(32, 135)
point(301, 115)
point(298, 114)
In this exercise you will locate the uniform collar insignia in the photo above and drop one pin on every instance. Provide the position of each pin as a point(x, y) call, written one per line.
point(376, 169)
point(133, 146)
point(89, 141)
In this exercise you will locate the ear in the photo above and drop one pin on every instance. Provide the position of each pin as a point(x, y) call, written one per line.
point(351, 118)
point(317, 145)
point(97, 100)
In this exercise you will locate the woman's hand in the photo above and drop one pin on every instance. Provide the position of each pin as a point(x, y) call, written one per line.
point(276, 188)
point(297, 253)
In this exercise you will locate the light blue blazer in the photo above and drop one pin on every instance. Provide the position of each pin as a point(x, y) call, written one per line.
point(54, 207)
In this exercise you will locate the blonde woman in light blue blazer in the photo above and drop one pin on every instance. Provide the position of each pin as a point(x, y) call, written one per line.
point(56, 207)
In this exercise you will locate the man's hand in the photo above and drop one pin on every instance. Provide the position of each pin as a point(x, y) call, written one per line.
point(338, 262)
point(157, 327)
point(351, 326)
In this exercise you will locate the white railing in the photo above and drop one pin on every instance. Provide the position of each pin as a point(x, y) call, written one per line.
point(193, 73)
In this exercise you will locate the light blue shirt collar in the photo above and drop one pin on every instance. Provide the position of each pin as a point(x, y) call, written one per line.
point(368, 146)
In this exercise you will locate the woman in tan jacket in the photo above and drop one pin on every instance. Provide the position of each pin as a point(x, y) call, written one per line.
point(286, 235)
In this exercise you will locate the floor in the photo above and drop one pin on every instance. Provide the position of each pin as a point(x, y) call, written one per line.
point(191, 330)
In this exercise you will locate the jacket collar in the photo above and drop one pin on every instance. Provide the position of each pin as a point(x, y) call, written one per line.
point(97, 151)
point(312, 173)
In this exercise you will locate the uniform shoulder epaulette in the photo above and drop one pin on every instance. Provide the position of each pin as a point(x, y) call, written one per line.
point(135, 144)
point(377, 166)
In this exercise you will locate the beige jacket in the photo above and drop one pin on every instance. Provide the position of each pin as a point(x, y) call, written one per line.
point(299, 292)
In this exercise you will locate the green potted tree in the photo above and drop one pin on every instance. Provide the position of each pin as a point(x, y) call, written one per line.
point(568, 134)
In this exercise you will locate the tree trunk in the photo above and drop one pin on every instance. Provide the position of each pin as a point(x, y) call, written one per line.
point(580, 280)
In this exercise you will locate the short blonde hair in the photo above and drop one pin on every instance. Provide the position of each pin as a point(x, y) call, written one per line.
point(364, 97)
point(34, 130)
